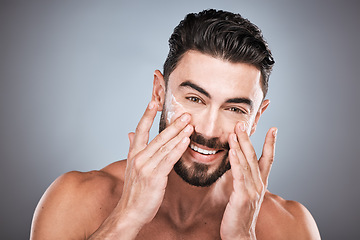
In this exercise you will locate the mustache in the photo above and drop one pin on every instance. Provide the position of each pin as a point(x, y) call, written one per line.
point(214, 143)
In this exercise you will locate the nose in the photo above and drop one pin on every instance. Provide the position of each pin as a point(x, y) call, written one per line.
point(208, 123)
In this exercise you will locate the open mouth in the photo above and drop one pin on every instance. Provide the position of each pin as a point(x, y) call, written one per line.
point(202, 151)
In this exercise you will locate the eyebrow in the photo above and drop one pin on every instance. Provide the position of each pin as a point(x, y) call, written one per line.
point(194, 86)
point(241, 100)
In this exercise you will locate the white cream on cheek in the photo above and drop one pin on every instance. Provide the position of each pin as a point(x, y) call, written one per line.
point(174, 108)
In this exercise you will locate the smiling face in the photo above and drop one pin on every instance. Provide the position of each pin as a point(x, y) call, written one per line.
point(217, 94)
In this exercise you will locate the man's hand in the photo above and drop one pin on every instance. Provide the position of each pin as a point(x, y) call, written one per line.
point(250, 178)
point(146, 175)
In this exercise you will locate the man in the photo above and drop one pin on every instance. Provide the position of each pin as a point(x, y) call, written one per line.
point(200, 177)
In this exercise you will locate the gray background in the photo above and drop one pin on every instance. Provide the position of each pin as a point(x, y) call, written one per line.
point(75, 77)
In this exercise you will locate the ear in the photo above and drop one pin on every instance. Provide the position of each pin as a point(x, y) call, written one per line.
point(262, 109)
point(158, 93)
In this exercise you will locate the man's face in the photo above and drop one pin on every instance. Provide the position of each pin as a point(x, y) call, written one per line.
point(217, 94)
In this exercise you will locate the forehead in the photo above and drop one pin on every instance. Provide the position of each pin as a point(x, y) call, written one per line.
point(222, 79)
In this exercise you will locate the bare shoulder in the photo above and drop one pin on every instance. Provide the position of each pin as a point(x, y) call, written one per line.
point(284, 219)
point(77, 203)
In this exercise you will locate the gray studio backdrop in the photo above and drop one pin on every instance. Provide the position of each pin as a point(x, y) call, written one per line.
point(75, 77)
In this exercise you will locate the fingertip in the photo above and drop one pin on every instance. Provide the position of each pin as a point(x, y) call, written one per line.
point(230, 137)
point(242, 127)
point(186, 140)
point(232, 155)
point(131, 136)
point(151, 105)
point(274, 132)
point(185, 117)
point(189, 129)
point(232, 140)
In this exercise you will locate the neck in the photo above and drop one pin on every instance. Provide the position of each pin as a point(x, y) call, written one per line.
point(184, 203)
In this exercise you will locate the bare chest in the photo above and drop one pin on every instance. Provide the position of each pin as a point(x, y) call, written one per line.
point(204, 228)
point(162, 228)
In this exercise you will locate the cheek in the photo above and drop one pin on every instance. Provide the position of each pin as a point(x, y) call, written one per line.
point(174, 110)
point(228, 120)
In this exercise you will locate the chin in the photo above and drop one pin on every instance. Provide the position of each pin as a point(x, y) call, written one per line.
point(202, 173)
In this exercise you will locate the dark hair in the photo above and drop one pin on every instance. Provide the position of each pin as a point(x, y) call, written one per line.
point(223, 35)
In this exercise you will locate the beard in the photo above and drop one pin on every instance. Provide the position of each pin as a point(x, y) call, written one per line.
point(198, 173)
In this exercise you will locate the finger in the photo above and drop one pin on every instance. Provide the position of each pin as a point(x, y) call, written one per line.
point(167, 152)
point(131, 136)
point(242, 182)
point(268, 154)
point(168, 134)
point(167, 162)
point(235, 165)
point(249, 153)
point(141, 137)
point(243, 166)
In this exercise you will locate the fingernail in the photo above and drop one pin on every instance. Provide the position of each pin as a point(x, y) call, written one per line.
point(233, 152)
point(151, 105)
point(185, 117)
point(184, 139)
point(243, 126)
point(188, 128)
point(234, 138)
point(275, 133)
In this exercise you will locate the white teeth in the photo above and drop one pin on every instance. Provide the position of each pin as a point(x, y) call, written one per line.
point(200, 150)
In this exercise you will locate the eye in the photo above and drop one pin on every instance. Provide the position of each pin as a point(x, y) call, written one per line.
point(194, 99)
point(236, 110)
